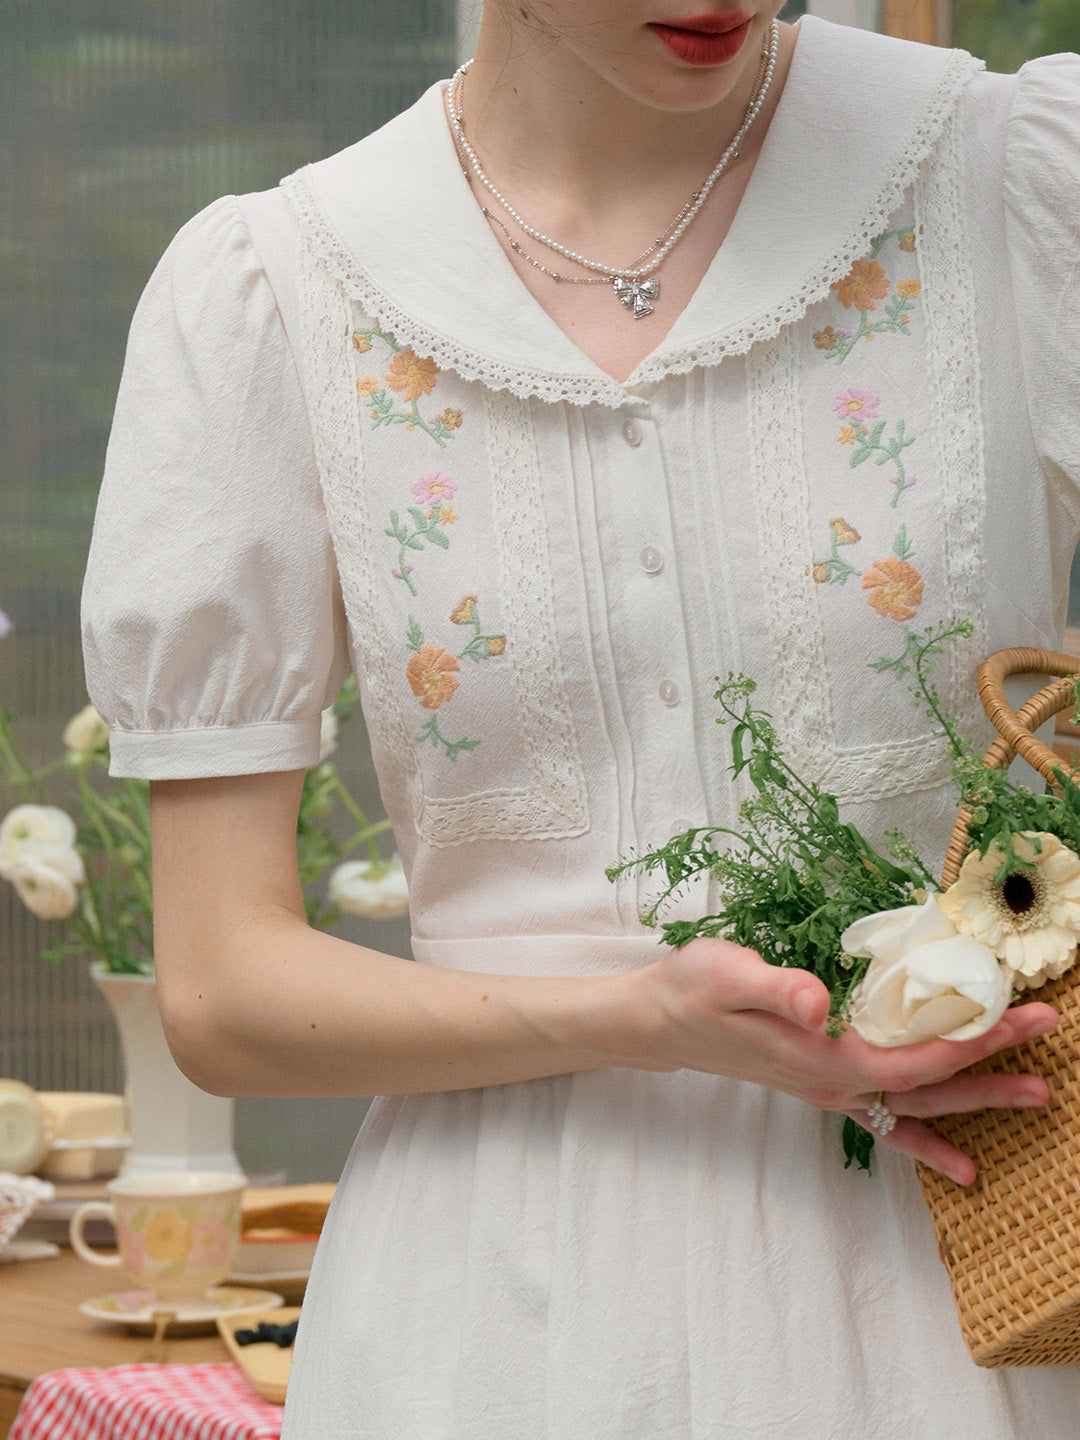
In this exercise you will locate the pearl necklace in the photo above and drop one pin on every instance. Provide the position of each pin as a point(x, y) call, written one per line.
point(636, 287)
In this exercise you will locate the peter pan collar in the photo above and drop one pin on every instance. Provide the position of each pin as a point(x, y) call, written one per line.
point(396, 222)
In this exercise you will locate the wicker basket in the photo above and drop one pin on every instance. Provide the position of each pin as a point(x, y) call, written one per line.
point(1011, 1241)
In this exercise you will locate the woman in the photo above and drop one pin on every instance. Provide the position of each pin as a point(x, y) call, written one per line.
point(603, 1197)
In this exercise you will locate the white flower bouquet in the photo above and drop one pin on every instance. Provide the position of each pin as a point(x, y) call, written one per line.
point(906, 958)
point(92, 872)
point(903, 959)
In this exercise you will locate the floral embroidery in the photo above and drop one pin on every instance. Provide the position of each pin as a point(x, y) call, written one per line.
point(428, 528)
point(412, 375)
point(871, 439)
point(433, 489)
point(432, 675)
point(864, 283)
point(481, 646)
point(409, 378)
point(835, 570)
point(895, 586)
point(861, 288)
point(857, 402)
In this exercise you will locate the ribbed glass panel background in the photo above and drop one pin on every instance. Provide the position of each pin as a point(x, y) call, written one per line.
point(118, 120)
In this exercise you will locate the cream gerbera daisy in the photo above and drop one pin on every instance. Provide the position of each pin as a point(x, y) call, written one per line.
point(1031, 918)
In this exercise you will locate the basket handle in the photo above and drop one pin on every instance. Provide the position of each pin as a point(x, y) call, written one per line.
point(1015, 728)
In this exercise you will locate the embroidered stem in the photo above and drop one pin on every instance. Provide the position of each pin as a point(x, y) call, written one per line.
point(431, 733)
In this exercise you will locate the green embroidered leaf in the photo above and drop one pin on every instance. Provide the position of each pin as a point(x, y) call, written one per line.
point(415, 637)
point(903, 549)
point(440, 538)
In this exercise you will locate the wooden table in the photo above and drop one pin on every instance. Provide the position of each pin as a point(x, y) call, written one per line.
point(41, 1328)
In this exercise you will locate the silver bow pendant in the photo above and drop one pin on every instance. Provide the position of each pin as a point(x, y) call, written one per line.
point(636, 294)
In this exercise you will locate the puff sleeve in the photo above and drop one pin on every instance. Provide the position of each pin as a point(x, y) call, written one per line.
point(1042, 207)
point(213, 629)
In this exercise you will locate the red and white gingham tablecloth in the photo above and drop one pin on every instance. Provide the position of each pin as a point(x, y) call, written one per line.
point(146, 1402)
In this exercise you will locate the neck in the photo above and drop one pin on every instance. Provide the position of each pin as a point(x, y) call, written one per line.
point(558, 136)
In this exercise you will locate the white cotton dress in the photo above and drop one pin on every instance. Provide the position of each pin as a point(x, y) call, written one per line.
point(346, 431)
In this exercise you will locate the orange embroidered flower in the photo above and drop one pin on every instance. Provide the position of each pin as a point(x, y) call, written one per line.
point(367, 384)
point(496, 644)
point(844, 533)
point(451, 419)
point(910, 289)
point(826, 339)
point(847, 435)
point(411, 374)
point(895, 588)
point(821, 574)
point(446, 515)
point(432, 676)
point(361, 342)
point(464, 611)
point(864, 283)
point(907, 240)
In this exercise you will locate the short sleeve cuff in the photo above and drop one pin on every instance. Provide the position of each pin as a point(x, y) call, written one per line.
point(199, 754)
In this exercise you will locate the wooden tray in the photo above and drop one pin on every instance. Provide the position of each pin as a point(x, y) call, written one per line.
point(265, 1364)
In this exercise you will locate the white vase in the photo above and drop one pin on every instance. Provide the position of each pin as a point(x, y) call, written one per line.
point(174, 1125)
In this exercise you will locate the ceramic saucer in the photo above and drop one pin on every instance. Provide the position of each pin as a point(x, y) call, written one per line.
point(135, 1307)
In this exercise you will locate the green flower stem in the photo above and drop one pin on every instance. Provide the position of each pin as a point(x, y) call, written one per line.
point(16, 771)
point(366, 832)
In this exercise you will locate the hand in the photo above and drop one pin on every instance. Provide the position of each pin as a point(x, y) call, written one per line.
point(722, 1009)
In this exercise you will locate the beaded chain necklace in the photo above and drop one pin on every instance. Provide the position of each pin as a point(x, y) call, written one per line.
point(636, 285)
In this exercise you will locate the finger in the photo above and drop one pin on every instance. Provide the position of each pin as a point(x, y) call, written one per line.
point(933, 1060)
point(910, 1137)
point(742, 980)
point(962, 1094)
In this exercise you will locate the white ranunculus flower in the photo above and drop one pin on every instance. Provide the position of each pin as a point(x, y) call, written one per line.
point(925, 979)
point(327, 735)
point(354, 890)
point(44, 889)
point(35, 829)
point(86, 733)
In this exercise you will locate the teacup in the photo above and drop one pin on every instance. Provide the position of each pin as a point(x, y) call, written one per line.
point(177, 1234)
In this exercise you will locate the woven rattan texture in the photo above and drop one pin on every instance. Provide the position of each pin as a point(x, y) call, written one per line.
point(1011, 1241)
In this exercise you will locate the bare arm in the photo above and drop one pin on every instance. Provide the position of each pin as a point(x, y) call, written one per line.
point(255, 1002)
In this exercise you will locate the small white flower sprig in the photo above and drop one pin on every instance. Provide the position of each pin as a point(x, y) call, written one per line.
point(92, 873)
point(902, 961)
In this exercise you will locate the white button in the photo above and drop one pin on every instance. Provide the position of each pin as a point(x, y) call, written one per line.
point(631, 433)
point(651, 560)
point(669, 692)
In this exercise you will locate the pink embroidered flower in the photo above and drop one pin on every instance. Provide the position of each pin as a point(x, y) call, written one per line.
point(856, 403)
point(434, 489)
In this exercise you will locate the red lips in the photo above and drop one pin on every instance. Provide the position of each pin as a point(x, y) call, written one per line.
point(705, 39)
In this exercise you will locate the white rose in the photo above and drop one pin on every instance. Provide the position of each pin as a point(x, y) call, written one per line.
point(356, 890)
point(327, 735)
point(35, 829)
point(44, 889)
point(86, 733)
point(924, 980)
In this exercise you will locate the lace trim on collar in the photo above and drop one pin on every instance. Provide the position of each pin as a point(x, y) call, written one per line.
point(327, 248)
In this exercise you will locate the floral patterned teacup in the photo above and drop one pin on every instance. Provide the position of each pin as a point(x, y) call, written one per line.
point(176, 1234)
